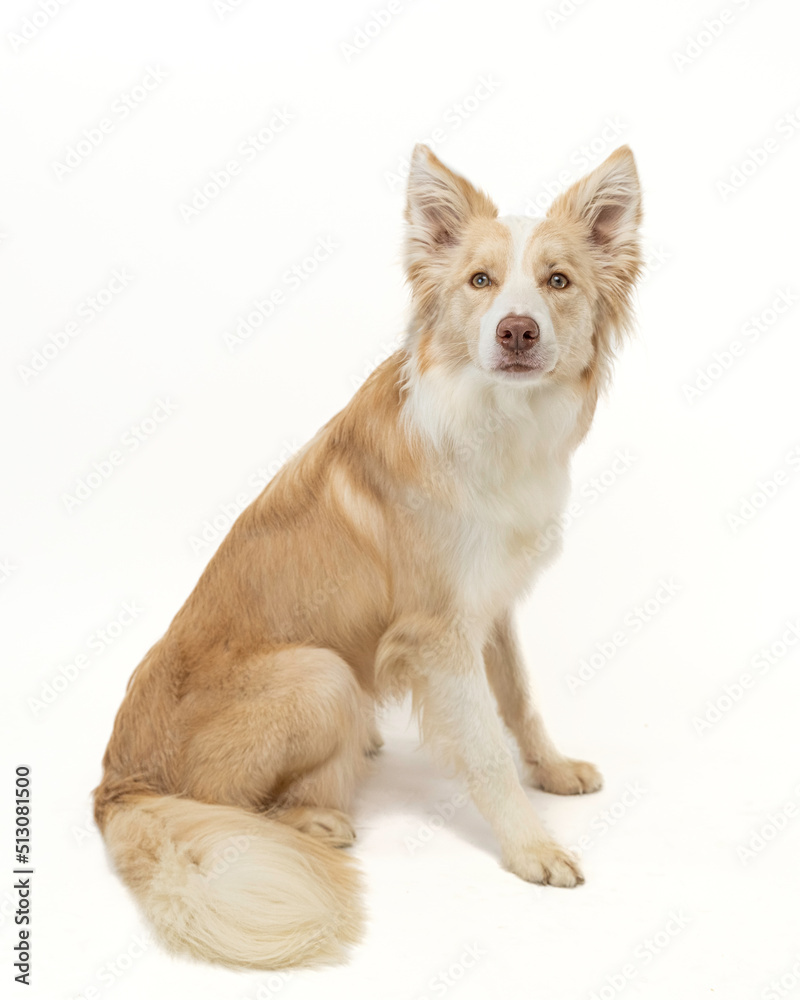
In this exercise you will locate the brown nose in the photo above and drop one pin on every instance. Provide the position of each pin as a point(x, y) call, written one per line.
point(517, 333)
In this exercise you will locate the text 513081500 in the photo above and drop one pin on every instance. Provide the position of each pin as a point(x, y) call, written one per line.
point(22, 885)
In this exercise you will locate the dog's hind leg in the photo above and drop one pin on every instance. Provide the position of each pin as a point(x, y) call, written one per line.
point(330, 825)
point(292, 743)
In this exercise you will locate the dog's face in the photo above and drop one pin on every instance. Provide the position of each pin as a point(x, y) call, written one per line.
point(520, 301)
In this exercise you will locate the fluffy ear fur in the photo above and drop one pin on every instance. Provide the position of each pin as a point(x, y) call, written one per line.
point(606, 207)
point(608, 201)
point(440, 202)
point(439, 207)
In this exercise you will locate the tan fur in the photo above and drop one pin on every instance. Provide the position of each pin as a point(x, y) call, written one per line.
point(384, 558)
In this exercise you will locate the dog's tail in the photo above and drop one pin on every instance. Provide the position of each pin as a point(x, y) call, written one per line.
point(234, 887)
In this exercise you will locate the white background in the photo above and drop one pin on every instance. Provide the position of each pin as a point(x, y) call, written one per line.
point(697, 104)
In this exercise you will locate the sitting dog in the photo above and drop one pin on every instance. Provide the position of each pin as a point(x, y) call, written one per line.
point(384, 558)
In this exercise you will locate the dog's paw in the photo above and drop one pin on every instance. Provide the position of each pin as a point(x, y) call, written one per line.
point(546, 863)
point(330, 825)
point(567, 777)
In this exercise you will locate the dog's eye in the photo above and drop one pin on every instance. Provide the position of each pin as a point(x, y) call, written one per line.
point(481, 280)
point(558, 281)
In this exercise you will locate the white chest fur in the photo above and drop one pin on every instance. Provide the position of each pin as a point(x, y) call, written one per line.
point(501, 461)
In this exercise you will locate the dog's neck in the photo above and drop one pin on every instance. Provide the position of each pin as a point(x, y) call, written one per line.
point(461, 412)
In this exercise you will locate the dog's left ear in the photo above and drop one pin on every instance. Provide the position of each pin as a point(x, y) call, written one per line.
point(608, 201)
point(440, 203)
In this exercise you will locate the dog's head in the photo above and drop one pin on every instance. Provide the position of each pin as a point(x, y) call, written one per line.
point(521, 301)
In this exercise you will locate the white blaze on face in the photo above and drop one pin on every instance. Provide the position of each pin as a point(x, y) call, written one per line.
point(518, 296)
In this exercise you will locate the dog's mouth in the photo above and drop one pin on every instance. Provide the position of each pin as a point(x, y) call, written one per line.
point(521, 366)
point(517, 368)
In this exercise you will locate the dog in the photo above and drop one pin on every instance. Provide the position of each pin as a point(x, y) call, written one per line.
point(384, 558)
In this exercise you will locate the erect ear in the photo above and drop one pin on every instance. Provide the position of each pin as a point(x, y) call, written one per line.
point(440, 203)
point(608, 201)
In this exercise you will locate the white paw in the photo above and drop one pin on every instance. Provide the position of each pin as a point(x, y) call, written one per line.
point(546, 863)
point(567, 777)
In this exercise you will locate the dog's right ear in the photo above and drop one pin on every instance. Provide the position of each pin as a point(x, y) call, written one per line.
point(439, 204)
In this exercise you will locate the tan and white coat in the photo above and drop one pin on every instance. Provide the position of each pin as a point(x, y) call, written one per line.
point(385, 557)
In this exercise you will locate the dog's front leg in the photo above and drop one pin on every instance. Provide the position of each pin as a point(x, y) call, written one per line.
point(446, 673)
point(549, 768)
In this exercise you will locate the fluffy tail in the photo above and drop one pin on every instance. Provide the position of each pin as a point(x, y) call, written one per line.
point(233, 887)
